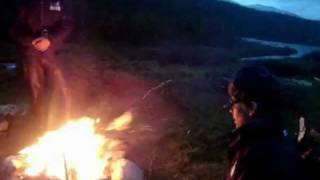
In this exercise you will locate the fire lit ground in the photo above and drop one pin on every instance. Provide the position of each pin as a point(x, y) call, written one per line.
point(92, 148)
point(88, 148)
point(165, 133)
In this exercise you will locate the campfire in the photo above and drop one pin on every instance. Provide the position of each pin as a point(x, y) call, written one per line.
point(76, 151)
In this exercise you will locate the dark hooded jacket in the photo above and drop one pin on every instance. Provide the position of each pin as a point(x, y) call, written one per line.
point(35, 16)
point(259, 151)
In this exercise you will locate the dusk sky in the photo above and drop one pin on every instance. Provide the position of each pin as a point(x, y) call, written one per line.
point(309, 9)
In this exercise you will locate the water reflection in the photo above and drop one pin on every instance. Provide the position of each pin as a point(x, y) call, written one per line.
point(301, 49)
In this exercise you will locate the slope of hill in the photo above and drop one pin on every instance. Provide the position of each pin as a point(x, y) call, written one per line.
point(272, 9)
point(190, 21)
point(197, 21)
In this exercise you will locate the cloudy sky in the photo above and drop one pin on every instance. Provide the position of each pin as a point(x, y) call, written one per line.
point(309, 9)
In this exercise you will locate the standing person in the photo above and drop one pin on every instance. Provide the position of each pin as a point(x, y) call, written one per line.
point(41, 28)
point(259, 150)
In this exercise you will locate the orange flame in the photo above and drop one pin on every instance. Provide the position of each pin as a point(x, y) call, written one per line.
point(121, 123)
point(76, 148)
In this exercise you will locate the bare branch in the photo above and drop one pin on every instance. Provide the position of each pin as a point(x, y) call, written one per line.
point(162, 84)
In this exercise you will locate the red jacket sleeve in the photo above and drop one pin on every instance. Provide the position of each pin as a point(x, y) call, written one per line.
point(20, 31)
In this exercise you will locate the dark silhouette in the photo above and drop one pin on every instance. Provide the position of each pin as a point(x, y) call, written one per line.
point(259, 148)
point(40, 29)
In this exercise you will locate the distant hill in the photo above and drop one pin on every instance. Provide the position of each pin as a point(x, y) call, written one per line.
point(211, 22)
point(198, 21)
point(270, 26)
point(272, 9)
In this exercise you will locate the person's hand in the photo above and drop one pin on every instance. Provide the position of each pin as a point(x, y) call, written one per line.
point(41, 44)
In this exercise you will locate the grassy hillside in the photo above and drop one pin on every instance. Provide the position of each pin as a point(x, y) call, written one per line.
point(204, 21)
point(188, 143)
point(209, 22)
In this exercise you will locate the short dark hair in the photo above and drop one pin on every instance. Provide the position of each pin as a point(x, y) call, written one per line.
point(256, 83)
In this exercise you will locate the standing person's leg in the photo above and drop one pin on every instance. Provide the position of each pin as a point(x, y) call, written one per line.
point(34, 75)
point(60, 100)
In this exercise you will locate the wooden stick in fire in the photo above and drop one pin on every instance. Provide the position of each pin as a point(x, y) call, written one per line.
point(162, 84)
point(146, 95)
point(65, 167)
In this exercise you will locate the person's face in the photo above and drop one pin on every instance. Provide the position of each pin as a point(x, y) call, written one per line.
point(241, 113)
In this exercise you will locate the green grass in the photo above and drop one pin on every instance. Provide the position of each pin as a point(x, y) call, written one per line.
point(303, 100)
point(193, 142)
